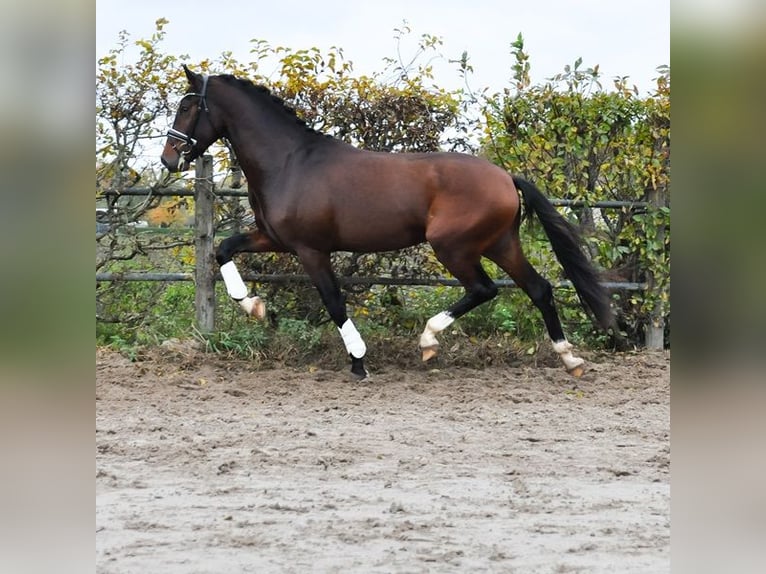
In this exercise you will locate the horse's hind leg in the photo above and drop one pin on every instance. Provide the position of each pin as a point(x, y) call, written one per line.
point(510, 257)
point(479, 289)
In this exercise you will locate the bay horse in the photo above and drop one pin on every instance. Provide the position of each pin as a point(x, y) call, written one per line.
point(312, 194)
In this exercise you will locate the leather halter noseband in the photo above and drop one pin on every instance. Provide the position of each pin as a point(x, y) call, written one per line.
point(187, 138)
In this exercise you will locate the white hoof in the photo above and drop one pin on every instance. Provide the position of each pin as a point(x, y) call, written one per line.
point(253, 306)
point(564, 350)
point(429, 353)
point(435, 324)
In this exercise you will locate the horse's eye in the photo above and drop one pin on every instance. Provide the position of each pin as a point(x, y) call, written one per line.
point(184, 109)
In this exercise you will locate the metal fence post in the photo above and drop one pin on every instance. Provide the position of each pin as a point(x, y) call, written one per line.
point(204, 271)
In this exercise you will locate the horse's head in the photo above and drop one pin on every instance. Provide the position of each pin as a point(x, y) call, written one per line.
point(192, 131)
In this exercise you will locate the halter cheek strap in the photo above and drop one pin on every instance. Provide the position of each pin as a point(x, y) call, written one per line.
point(186, 138)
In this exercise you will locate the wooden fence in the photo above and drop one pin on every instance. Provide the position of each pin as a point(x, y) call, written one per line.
point(206, 269)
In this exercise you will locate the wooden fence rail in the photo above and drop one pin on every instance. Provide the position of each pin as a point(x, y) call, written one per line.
point(206, 270)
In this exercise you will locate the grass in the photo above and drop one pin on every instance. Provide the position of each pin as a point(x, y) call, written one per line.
point(298, 332)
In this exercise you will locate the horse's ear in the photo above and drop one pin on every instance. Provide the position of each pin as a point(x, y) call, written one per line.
point(191, 76)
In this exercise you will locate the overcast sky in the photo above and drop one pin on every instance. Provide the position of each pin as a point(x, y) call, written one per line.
point(625, 37)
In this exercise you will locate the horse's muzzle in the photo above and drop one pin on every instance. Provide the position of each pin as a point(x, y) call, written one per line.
point(179, 163)
point(171, 167)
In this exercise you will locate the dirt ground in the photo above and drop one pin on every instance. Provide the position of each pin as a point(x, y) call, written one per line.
point(205, 464)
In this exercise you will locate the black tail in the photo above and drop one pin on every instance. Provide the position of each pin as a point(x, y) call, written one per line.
point(566, 245)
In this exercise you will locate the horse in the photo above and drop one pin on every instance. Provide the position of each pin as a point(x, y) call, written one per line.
point(312, 194)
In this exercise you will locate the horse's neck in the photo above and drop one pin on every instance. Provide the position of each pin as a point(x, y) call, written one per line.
point(262, 142)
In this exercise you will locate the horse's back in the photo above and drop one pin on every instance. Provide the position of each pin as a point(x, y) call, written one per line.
point(420, 176)
point(470, 188)
point(371, 201)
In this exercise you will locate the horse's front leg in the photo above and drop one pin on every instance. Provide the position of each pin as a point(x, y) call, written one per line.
point(317, 266)
point(250, 242)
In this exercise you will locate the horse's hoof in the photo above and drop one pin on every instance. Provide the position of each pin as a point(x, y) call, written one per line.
point(357, 369)
point(259, 309)
point(360, 374)
point(577, 371)
point(359, 377)
point(430, 352)
point(254, 307)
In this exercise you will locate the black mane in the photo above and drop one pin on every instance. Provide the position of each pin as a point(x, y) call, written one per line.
point(260, 92)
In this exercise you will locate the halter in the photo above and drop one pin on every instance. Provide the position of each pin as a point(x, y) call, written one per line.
point(187, 138)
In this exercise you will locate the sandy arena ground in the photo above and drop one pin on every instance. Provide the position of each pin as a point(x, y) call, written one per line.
point(205, 465)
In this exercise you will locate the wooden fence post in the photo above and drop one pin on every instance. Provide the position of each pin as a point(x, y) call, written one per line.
point(204, 272)
point(654, 335)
